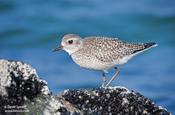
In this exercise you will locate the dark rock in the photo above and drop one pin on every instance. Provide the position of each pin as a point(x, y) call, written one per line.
point(112, 100)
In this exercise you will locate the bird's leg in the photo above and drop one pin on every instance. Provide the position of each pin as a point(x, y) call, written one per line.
point(104, 79)
point(114, 76)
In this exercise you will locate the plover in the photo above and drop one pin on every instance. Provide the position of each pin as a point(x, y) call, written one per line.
point(101, 53)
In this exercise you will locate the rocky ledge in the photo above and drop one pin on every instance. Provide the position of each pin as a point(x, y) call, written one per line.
point(23, 92)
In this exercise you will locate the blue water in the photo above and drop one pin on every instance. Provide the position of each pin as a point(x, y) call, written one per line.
point(29, 30)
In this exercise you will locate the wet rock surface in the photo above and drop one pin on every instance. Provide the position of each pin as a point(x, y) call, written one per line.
point(23, 92)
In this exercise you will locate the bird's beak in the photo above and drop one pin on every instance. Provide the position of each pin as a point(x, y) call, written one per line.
point(58, 48)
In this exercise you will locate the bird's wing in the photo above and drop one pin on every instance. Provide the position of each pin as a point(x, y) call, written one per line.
point(109, 49)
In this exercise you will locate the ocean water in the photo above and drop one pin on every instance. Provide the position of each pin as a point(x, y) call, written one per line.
point(29, 30)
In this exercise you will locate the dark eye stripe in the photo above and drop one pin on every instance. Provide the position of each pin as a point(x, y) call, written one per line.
point(70, 41)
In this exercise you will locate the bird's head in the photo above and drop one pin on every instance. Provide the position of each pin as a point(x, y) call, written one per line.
point(70, 43)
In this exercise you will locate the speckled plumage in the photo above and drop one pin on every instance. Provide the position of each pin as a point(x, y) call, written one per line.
point(102, 53)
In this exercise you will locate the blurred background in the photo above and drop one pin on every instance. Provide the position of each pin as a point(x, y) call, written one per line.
point(29, 30)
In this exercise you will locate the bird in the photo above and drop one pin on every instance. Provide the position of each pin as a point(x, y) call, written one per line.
point(101, 53)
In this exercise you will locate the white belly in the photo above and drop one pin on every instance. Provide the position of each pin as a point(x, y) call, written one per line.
point(91, 63)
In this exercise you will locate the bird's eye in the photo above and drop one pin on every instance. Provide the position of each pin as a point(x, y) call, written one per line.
point(70, 41)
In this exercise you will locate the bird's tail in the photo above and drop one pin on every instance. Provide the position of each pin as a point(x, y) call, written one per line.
point(149, 45)
point(145, 46)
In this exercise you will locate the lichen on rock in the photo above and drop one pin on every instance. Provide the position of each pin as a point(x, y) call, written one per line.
point(22, 91)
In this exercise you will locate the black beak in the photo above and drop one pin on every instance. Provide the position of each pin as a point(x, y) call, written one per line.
point(57, 49)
